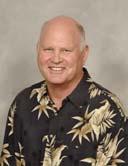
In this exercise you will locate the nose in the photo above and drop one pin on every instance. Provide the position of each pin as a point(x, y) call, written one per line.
point(56, 59)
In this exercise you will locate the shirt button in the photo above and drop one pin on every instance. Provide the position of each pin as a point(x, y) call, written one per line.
point(80, 106)
point(76, 147)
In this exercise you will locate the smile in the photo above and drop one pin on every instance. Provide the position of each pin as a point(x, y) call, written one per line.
point(57, 69)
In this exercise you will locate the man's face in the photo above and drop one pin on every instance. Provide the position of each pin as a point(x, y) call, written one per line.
point(60, 59)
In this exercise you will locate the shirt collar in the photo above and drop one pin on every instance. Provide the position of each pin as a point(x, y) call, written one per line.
point(80, 95)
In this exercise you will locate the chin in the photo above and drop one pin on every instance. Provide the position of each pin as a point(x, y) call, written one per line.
point(57, 82)
point(55, 79)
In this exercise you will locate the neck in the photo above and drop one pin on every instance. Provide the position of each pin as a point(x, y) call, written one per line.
point(58, 92)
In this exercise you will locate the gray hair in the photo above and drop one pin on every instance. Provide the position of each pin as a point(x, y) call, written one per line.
point(82, 33)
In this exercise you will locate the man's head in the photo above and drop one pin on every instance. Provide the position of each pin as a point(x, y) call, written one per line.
point(62, 51)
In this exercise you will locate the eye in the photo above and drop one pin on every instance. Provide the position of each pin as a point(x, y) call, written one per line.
point(66, 50)
point(49, 49)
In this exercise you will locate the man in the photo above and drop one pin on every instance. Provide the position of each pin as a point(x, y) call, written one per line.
point(68, 119)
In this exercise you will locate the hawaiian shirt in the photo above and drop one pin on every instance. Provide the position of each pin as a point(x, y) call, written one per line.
point(90, 129)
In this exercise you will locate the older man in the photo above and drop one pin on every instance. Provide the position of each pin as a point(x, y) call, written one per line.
point(67, 119)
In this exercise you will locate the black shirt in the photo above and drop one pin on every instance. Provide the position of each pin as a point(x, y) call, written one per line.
point(88, 130)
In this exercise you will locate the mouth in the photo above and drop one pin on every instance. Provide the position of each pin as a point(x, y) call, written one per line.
point(57, 69)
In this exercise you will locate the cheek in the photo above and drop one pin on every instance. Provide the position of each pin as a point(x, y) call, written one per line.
point(74, 61)
point(42, 59)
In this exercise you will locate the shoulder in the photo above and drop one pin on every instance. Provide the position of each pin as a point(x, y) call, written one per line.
point(26, 92)
point(99, 95)
point(23, 103)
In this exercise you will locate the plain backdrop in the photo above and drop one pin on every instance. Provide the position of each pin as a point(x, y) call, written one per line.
point(106, 24)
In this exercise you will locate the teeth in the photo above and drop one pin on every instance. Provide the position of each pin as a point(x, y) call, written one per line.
point(56, 68)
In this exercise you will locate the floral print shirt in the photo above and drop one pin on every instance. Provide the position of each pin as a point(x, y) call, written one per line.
point(90, 129)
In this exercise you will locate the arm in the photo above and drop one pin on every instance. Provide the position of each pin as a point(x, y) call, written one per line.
point(12, 148)
point(110, 127)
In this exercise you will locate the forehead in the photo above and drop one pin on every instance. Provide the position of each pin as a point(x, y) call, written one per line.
point(60, 29)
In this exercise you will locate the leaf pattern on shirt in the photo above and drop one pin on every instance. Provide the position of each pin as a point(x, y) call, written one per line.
point(5, 155)
point(44, 106)
point(19, 156)
point(44, 101)
point(118, 104)
point(84, 128)
point(101, 119)
point(107, 152)
point(96, 122)
point(52, 156)
point(94, 91)
point(11, 118)
point(39, 91)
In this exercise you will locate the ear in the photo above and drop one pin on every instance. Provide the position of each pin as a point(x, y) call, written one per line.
point(85, 54)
